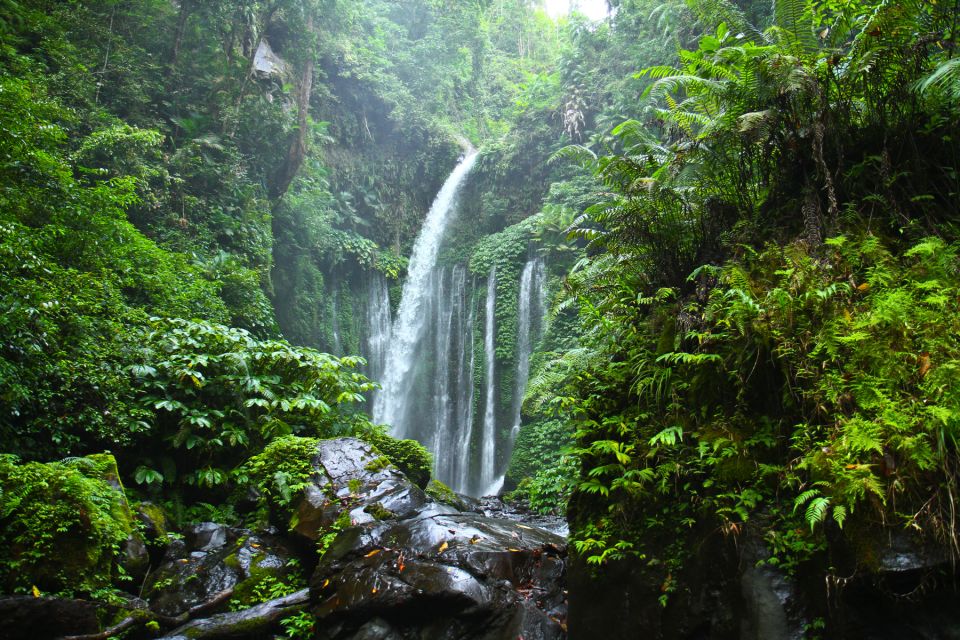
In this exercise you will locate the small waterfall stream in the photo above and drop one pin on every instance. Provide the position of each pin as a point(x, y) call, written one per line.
point(488, 469)
point(378, 327)
point(530, 312)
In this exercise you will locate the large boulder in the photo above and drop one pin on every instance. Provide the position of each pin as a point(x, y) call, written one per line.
point(65, 525)
point(350, 476)
point(400, 565)
point(212, 559)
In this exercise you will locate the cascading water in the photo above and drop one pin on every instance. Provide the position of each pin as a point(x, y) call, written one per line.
point(378, 326)
point(392, 404)
point(426, 358)
point(530, 312)
point(335, 304)
point(488, 449)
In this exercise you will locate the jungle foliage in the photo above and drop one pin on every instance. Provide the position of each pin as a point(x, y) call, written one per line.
point(770, 281)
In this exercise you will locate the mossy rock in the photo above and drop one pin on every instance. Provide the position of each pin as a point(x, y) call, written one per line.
point(445, 495)
point(63, 524)
point(411, 457)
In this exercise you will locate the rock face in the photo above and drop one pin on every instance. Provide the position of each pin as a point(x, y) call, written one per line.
point(408, 567)
point(29, 618)
point(393, 564)
point(350, 476)
point(726, 594)
point(212, 559)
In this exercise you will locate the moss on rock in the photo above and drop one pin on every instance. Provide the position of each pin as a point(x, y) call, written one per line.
point(411, 457)
point(61, 524)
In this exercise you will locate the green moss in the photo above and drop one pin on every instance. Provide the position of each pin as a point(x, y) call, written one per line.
point(377, 464)
point(61, 524)
point(379, 512)
point(443, 494)
point(409, 456)
point(325, 540)
point(154, 517)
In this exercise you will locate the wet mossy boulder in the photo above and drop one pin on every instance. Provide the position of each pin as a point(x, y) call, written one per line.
point(445, 495)
point(411, 457)
point(308, 484)
point(63, 525)
point(212, 559)
point(351, 482)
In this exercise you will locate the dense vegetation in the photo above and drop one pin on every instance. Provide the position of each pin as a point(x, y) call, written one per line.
point(769, 289)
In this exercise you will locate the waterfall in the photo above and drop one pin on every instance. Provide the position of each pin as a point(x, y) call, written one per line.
point(452, 395)
point(489, 434)
point(392, 404)
point(335, 303)
point(466, 388)
point(378, 326)
point(425, 358)
point(530, 311)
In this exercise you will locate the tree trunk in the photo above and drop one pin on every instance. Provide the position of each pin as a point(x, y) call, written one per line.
point(297, 151)
point(185, 8)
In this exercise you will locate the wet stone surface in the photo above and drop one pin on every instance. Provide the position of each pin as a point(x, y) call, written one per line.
point(420, 569)
point(210, 559)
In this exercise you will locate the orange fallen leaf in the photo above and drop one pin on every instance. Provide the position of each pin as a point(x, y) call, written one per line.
point(373, 553)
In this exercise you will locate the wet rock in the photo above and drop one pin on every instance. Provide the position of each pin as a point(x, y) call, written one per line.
point(212, 559)
point(135, 558)
point(439, 569)
point(29, 618)
point(256, 622)
point(905, 553)
point(772, 601)
point(496, 507)
point(349, 474)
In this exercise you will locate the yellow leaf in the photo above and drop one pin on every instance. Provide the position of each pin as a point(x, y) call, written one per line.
point(443, 547)
point(36, 592)
point(864, 287)
point(372, 553)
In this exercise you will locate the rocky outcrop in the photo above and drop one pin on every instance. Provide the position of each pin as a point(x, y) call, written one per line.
point(408, 567)
point(212, 559)
point(726, 592)
point(386, 561)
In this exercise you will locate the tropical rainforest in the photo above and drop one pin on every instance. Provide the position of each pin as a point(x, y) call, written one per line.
point(689, 295)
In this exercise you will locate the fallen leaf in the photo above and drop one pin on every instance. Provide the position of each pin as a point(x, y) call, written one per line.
point(326, 583)
point(373, 553)
point(443, 547)
point(36, 592)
